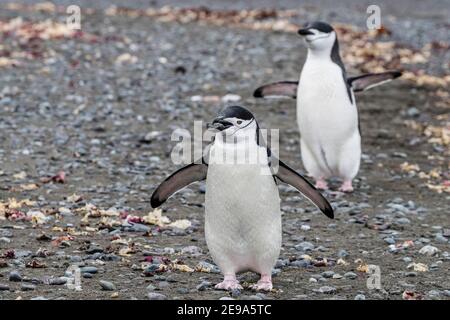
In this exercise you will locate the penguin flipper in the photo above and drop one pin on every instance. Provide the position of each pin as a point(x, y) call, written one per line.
point(178, 180)
point(370, 80)
point(290, 176)
point(277, 89)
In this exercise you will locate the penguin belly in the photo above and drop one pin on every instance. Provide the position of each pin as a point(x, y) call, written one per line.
point(242, 218)
point(328, 122)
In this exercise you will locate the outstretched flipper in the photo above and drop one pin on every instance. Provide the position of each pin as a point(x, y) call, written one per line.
point(370, 80)
point(290, 176)
point(277, 89)
point(178, 180)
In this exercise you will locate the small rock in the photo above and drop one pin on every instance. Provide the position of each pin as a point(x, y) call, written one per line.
point(15, 276)
point(328, 274)
point(235, 293)
point(107, 286)
point(327, 290)
point(304, 246)
point(360, 297)
point(151, 287)
point(182, 290)
point(156, 296)
point(389, 240)
point(4, 287)
point(91, 270)
point(350, 275)
point(192, 250)
point(57, 281)
point(27, 287)
point(203, 286)
point(429, 250)
point(163, 284)
point(342, 253)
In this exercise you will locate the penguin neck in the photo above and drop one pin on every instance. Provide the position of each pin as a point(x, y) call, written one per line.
point(318, 55)
point(240, 137)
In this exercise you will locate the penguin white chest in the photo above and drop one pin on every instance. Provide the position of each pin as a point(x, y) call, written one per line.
point(243, 219)
point(328, 121)
point(323, 100)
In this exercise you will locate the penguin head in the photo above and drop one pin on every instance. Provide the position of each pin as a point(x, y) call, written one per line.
point(233, 119)
point(319, 36)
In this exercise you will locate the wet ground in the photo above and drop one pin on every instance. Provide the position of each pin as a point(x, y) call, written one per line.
point(101, 106)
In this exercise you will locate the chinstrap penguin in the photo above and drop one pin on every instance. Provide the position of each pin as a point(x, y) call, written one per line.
point(327, 115)
point(242, 203)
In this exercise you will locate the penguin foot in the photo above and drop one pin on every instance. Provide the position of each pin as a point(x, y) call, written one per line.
point(229, 283)
point(321, 184)
point(346, 186)
point(264, 284)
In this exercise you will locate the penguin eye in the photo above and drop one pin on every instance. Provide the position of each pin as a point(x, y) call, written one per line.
point(239, 121)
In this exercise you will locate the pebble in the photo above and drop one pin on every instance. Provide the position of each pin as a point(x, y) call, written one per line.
point(389, 240)
point(156, 296)
point(429, 250)
point(151, 287)
point(328, 274)
point(350, 275)
point(327, 289)
point(182, 290)
point(27, 287)
point(107, 286)
point(58, 281)
point(4, 287)
point(192, 250)
point(15, 276)
point(342, 253)
point(360, 297)
point(203, 286)
point(304, 246)
point(91, 270)
point(208, 266)
point(301, 263)
point(163, 285)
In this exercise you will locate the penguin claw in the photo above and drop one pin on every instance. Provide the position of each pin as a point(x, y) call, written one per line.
point(262, 286)
point(321, 184)
point(346, 187)
point(228, 285)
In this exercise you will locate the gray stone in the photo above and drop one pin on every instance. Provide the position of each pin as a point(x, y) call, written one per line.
point(89, 269)
point(203, 286)
point(327, 289)
point(107, 286)
point(15, 276)
point(328, 274)
point(156, 296)
point(4, 287)
point(342, 253)
point(350, 275)
point(27, 287)
point(304, 246)
point(58, 281)
point(360, 297)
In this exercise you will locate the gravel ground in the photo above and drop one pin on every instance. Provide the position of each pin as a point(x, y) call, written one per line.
point(107, 124)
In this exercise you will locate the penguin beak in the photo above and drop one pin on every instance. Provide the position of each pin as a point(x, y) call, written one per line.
point(219, 124)
point(305, 32)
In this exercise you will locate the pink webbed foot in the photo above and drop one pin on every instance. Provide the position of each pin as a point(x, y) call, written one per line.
point(264, 284)
point(229, 283)
point(321, 184)
point(346, 186)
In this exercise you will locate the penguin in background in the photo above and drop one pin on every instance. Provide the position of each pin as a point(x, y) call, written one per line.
point(327, 115)
point(242, 203)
